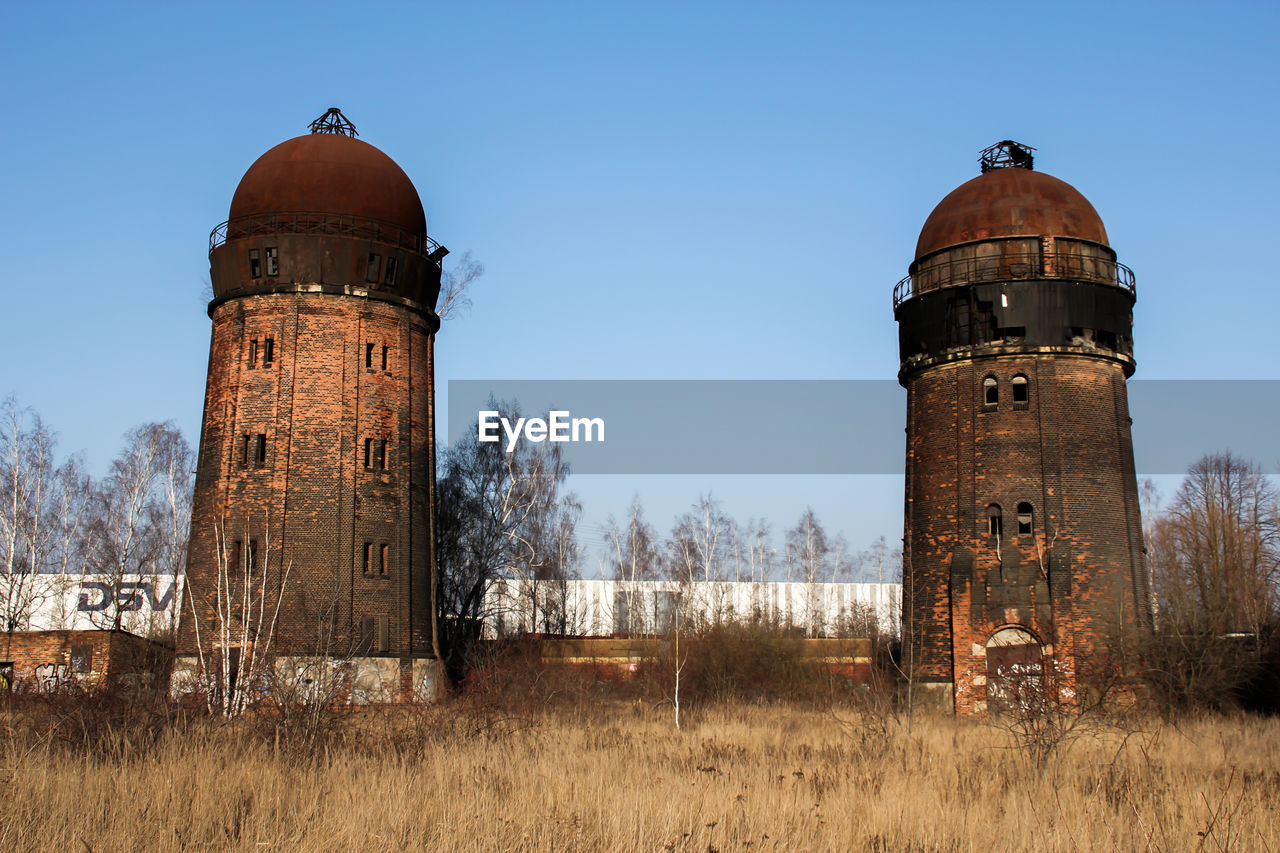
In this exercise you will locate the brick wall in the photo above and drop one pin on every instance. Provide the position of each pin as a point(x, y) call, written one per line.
point(335, 497)
point(1074, 580)
point(45, 660)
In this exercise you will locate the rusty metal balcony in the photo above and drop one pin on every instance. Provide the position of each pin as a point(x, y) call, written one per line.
point(1022, 266)
point(322, 223)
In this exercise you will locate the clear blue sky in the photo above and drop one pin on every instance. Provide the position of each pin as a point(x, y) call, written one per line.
point(658, 190)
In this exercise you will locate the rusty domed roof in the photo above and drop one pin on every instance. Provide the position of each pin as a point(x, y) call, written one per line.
point(329, 173)
point(1010, 202)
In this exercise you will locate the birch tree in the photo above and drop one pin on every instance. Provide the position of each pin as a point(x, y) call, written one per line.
point(141, 513)
point(26, 478)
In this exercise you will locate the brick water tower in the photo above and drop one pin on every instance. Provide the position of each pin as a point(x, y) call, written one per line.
point(1022, 555)
point(317, 445)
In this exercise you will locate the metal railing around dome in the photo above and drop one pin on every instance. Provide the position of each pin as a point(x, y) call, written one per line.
point(322, 223)
point(1026, 266)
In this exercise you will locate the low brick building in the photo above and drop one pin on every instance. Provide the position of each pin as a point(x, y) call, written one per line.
point(44, 661)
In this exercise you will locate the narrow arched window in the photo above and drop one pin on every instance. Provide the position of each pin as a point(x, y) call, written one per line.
point(995, 520)
point(1021, 392)
point(990, 392)
point(1024, 517)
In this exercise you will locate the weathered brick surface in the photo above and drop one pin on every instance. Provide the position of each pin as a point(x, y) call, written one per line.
point(48, 659)
point(312, 504)
point(1078, 576)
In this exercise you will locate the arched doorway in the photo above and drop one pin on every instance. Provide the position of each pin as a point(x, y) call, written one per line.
point(1015, 669)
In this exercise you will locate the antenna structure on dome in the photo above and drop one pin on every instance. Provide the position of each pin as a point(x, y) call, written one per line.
point(334, 121)
point(1005, 154)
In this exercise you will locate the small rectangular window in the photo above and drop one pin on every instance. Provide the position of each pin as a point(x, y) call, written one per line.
point(381, 459)
point(253, 353)
point(273, 260)
point(990, 392)
point(236, 555)
point(382, 559)
point(268, 351)
point(260, 456)
point(1025, 515)
point(367, 563)
point(368, 453)
point(1020, 395)
point(255, 264)
point(368, 356)
point(253, 554)
point(391, 270)
point(373, 269)
point(81, 658)
point(384, 356)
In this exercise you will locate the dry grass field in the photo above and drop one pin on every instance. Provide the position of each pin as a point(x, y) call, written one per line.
point(620, 776)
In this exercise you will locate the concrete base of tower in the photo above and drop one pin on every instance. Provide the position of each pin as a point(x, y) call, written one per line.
point(933, 696)
point(330, 681)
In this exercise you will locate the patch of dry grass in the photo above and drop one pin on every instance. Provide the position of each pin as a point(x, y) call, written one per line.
point(618, 776)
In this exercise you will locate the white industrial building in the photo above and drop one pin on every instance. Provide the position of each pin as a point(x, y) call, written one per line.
point(602, 608)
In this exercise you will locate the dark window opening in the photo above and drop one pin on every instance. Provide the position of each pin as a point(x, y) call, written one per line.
point(391, 271)
point(1021, 391)
point(990, 392)
point(1024, 517)
point(384, 356)
point(268, 351)
point(368, 453)
point(374, 267)
point(260, 453)
point(81, 658)
point(366, 565)
point(382, 559)
point(253, 353)
point(273, 260)
point(236, 555)
point(995, 520)
point(253, 554)
point(368, 356)
point(255, 264)
point(380, 457)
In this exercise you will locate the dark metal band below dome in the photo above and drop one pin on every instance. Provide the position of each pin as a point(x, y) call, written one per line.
point(1010, 317)
point(326, 223)
point(1028, 266)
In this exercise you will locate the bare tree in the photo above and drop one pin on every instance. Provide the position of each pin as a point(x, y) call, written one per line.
point(635, 557)
point(808, 548)
point(242, 627)
point(455, 287)
point(699, 542)
point(495, 512)
point(1214, 556)
point(700, 550)
point(809, 551)
point(761, 555)
point(453, 298)
point(26, 480)
point(560, 544)
point(70, 506)
point(140, 512)
point(1215, 553)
